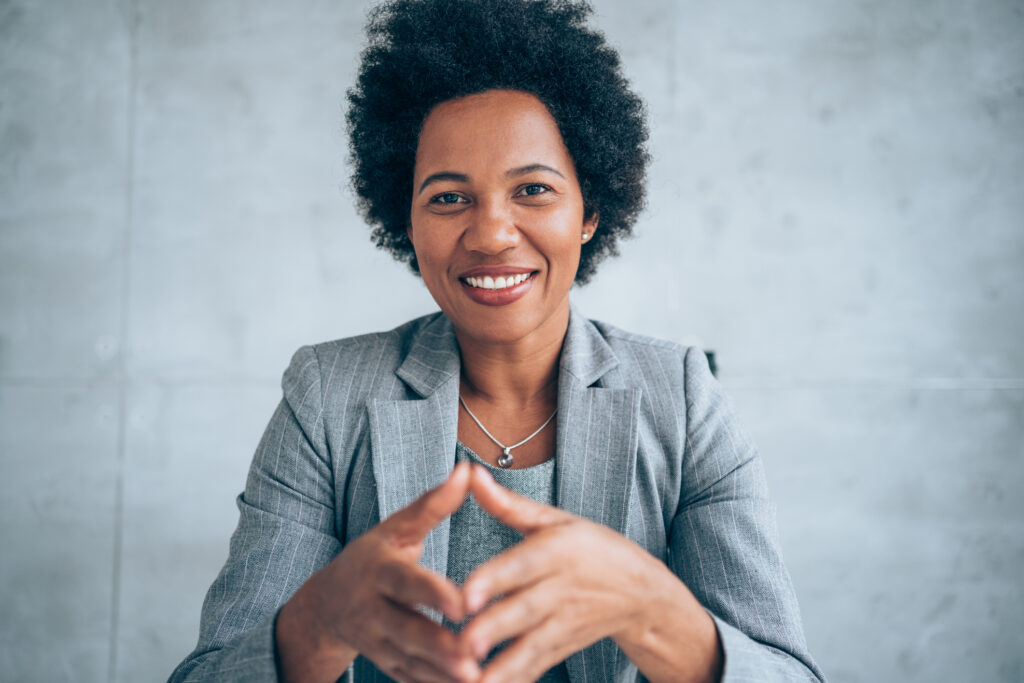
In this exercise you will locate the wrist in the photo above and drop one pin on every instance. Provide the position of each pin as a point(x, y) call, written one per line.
point(305, 649)
point(671, 637)
point(654, 594)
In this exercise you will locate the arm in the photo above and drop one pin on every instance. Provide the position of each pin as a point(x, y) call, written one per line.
point(572, 582)
point(285, 533)
point(723, 608)
point(291, 603)
point(724, 545)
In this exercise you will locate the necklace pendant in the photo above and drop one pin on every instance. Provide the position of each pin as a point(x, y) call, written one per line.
point(505, 459)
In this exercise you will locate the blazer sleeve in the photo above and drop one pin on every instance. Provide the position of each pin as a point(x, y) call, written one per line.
point(724, 543)
point(285, 533)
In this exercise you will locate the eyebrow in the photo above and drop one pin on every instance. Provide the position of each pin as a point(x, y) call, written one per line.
point(463, 178)
point(445, 175)
point(523, 170)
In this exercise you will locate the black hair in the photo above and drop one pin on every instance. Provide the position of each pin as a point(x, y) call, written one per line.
point(424, 52)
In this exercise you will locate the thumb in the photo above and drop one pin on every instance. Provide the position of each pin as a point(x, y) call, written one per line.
point(511, 509)
point(413, 522)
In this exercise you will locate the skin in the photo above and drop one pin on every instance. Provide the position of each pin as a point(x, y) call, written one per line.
point(494, 186)
point(474, 206)
point(364, 601)
point(550, 598)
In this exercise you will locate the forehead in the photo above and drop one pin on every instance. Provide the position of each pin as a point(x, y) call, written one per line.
point(497, 129)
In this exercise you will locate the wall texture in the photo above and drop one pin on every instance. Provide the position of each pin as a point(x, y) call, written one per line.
point(836, 209)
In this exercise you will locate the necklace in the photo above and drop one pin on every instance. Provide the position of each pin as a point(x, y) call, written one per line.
point(505, 460)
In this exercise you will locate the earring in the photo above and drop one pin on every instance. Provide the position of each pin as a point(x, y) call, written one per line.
point(585, 237)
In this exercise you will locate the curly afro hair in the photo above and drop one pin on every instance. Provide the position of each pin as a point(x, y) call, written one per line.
point(424, 52)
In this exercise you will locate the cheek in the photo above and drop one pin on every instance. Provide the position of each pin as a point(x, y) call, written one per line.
point(565, 241)
point(432, 251)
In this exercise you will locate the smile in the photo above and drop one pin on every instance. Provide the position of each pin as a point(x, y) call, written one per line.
point(500, 282)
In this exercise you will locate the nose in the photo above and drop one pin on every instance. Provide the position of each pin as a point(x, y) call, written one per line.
point(492, 228)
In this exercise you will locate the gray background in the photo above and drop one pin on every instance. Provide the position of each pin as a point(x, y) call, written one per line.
point(836, 208)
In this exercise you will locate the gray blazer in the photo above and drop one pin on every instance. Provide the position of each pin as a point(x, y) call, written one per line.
point(647, 444)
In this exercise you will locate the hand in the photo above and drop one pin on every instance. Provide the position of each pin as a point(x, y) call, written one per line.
point(571, 582)
point(364, 601)
point(568, 584)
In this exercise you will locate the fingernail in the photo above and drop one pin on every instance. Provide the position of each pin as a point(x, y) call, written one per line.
point(467, 670)
point(480, 648)
point(474, 601)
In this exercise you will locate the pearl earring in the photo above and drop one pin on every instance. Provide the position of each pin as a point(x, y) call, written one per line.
point(585, 237)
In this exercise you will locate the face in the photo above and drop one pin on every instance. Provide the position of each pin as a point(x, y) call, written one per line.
point(497, 217)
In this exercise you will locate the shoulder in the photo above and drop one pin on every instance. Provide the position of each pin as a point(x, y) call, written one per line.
point(369, 358)
point(618, 337)
point(642, 356)
point(677, 379)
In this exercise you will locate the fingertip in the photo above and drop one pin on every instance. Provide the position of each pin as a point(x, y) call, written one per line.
point(483, 478)
point(478, 647)
point(467, 670)
point(475, 596)
point(474, 604)
point(454, 612)
point(459, 476)
point(489, 494)
point(455, 605)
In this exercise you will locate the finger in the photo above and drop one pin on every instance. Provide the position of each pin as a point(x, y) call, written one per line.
point(528, 657)
point(521, 565)
point(416, 636)
point(412, 585)
point(511, 509)
point(507, 619)
point(415, 520)
point(401, 666)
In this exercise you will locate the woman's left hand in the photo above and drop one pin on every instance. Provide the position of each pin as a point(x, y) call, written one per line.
point(569, 583)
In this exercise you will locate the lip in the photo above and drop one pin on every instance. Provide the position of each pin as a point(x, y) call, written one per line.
point(496, 271)
point(497, 297)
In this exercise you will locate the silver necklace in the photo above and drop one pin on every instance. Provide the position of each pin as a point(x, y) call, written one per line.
point(505, 460)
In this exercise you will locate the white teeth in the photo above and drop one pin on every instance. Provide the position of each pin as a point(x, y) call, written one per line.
point(500, 282)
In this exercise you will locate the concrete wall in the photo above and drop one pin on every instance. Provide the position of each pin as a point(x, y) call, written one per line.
point(836, 209)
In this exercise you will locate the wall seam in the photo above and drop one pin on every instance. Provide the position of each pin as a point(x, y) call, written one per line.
point(122, 379)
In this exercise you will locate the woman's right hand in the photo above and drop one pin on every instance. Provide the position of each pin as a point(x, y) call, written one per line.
point(364, 602)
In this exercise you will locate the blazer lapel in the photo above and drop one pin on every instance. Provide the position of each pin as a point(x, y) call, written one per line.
point(595, 462)
point(412, 442)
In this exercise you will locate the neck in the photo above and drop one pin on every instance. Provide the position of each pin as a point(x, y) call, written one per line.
point(516, 374)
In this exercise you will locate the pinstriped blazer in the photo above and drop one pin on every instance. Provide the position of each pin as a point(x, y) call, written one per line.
point(647, 444)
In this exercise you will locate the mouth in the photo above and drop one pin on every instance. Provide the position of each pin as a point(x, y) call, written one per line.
point(496, 283)
point(492, 287)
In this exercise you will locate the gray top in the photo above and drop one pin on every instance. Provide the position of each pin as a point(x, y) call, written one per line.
point(476, 537)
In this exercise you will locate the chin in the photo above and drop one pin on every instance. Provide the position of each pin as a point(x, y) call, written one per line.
point(500, 327)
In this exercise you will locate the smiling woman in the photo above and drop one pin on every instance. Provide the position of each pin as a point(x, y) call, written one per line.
point(619, 527)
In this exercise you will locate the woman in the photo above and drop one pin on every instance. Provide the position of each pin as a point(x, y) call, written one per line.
point(498, 150)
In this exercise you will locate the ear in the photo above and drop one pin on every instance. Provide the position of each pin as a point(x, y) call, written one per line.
point(590, 226)
point(408, 231)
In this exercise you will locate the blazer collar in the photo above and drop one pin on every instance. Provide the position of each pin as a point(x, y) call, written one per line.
point(433, 357)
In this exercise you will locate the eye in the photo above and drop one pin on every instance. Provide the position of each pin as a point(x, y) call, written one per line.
point(446, 198)
point(534, 189)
